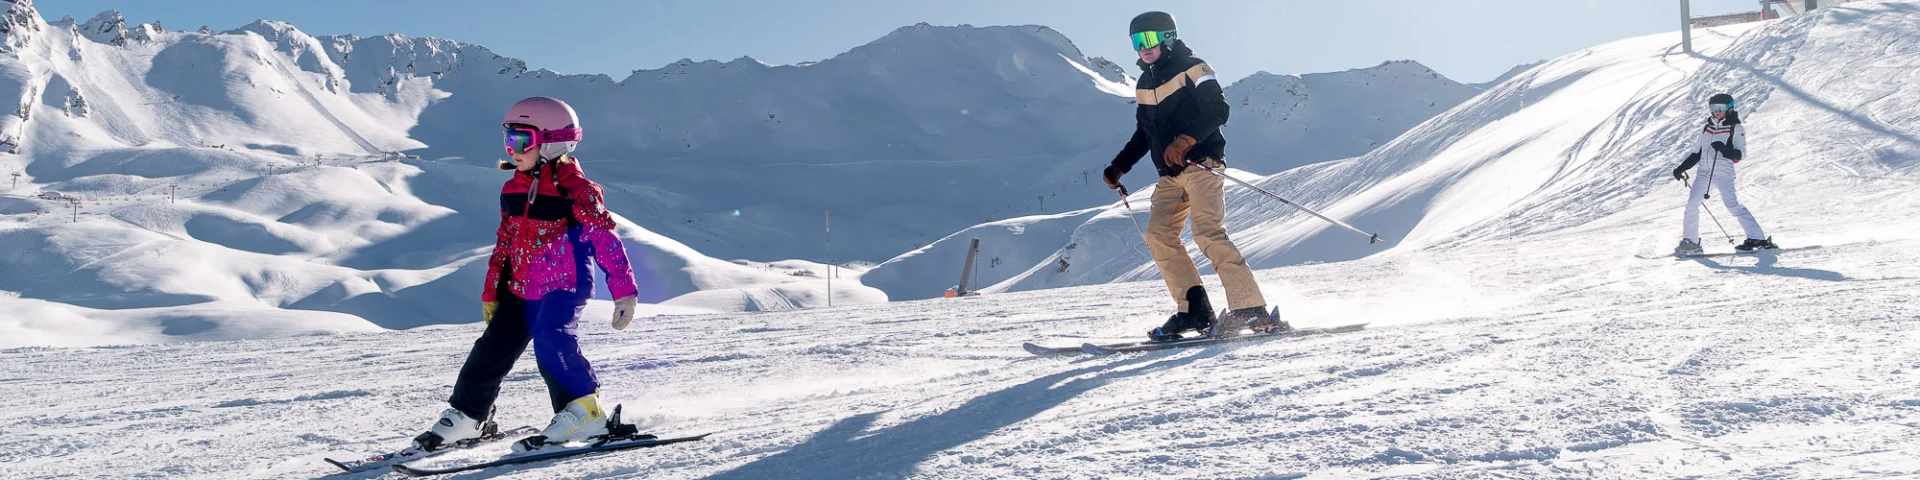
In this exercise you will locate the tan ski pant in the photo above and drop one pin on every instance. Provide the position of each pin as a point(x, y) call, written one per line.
point(1198, 194)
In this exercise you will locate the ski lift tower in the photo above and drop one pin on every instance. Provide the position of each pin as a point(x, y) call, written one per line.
point(966, 271)
point(1686, 26)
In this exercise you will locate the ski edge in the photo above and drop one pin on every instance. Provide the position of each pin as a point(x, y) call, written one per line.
point(1725, 254)
point(1191, 342)
point(544, 456)
point(1045, 351)
point(371, 464)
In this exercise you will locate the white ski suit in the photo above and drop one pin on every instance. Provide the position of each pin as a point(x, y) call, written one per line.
point(1716, 169)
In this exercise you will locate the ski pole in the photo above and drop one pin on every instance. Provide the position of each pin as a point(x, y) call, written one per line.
point(1130, 215)
point(1716, 219)
point(1372, 238)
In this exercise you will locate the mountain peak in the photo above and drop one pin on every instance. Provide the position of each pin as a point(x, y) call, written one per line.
point(929, 37)
point(1387, 68)
point(1390, 67)
point(278, 32)
point(18, 24)
point(107, 27)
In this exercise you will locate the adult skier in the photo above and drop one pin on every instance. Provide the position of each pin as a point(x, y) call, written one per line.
point(1723, 143)
point(552, 222)
point(1178, 118)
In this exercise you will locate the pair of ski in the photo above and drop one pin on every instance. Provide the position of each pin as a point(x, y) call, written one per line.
point(398, 460)
point(1149, 345)
point(1684, 256)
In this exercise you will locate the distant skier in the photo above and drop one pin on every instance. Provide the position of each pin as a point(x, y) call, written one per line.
point(1181, 109)
point(551, 222)
point(1723, 141)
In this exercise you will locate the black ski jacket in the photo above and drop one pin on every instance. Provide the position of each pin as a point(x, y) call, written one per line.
point(1177, 95)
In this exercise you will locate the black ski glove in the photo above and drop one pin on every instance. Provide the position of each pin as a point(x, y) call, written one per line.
point(1112, 176)
point(1726, 151)
point(1680, 173)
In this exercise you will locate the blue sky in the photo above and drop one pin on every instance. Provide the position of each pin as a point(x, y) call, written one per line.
point(1467, 40)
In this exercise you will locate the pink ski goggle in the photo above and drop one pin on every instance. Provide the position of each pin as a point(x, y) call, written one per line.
point(521, 139)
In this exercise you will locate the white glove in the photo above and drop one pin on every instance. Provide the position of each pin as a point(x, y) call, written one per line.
point(623, 311)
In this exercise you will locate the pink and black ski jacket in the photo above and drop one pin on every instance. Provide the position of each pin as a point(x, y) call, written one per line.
point(545, 240)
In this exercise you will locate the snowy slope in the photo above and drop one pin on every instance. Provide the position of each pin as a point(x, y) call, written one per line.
point(1279, 122)
point(1520, 335)
point(1475, 367)
point(1514, 72)
point(1577, 139)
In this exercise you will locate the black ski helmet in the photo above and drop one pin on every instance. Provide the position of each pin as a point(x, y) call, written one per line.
point(1151, 22)
point(1733, 116)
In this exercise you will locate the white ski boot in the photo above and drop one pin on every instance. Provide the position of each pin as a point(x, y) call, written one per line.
point(582, 420)
point(454, 428)
point(1687, 247)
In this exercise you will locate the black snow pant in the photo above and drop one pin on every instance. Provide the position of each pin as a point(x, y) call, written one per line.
point(506, 338)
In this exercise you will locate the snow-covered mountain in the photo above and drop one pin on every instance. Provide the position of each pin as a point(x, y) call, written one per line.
point(239, 185)
point(1524, 325)
point(1284, 121)
point(265, 173)
point(742, 159)
point(1509, 75)
point(1566, 142)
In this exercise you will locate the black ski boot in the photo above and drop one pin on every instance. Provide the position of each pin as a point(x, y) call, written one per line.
point(1199, 316)
point(1257, 319)
point(1757, 244)
point(1170, 331)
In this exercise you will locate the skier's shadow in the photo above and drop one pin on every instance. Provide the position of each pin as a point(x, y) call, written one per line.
point(1766, 265)
point(848, 450)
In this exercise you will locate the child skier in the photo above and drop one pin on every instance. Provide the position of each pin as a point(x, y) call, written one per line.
point(1181, 109)
point(1723, 142)
point(551, 222)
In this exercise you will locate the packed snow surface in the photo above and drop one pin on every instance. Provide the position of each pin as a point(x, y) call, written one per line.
point(1523, 324)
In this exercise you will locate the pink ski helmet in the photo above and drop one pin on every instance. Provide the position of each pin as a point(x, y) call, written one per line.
point(555, 129)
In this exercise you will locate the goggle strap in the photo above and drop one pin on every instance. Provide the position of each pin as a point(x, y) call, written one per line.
point(561, 135)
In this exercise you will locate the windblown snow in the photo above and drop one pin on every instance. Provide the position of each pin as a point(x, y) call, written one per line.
point(1522, 322)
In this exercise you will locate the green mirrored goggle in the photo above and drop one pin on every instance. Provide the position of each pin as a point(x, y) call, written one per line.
point(1146, 40)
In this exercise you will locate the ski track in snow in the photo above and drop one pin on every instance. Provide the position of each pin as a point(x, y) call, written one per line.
point(1561, 377)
